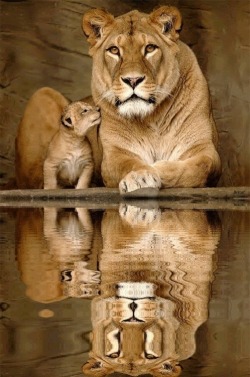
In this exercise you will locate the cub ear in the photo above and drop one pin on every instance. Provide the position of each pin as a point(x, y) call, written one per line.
point(93, 23)
point(168, 19)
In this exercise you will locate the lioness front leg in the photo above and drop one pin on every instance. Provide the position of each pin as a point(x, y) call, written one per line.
point(128, 172)
point(196, 171)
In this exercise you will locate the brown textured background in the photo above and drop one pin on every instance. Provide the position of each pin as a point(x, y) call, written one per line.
point(42, 44)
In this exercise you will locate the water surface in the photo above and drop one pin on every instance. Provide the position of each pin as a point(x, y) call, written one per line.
point(126, 291)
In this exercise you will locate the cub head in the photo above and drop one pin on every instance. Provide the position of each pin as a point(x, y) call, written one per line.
point(135, 58)
point(79, 117)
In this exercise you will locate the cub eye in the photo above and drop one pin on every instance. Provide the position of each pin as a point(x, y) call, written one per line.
point(150, 48)
point(114, 50)
point(84, 111)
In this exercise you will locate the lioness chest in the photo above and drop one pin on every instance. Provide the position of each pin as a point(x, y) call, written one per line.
point(154, 146)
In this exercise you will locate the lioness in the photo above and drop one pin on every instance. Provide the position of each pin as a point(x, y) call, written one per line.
point(69, 159)
point(157, 127)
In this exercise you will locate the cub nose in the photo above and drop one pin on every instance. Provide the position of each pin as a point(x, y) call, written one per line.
point(133, 81)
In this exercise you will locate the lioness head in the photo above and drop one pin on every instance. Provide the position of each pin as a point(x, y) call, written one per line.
point(79, 116)
point(135, 63)
point(133, 333)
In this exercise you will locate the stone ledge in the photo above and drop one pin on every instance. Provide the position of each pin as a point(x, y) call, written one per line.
point(236, 198)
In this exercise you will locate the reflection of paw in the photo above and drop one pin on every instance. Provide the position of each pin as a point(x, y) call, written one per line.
point(139, 216)
point(139, 179)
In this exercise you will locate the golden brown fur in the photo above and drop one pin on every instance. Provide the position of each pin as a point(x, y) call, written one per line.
point(69, 161)
point(164, 137)
point(157, 128)
point(39, 124)
point(155, 277)
point(54, 253)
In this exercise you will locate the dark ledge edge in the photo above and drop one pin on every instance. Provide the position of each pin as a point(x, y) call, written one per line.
point(236, 198)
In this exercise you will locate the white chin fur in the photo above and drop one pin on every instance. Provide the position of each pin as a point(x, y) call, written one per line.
point(135, 108)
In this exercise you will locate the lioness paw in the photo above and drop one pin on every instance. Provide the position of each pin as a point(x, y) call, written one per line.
point(139, 179)
point(139, 216)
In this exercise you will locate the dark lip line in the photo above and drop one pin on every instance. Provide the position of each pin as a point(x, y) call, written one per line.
point(151, 100)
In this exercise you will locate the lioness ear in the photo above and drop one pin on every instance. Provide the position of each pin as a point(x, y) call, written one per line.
point(93, 24)
point(169, 19)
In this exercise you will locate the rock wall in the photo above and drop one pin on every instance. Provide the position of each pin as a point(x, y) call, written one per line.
point(42, 44)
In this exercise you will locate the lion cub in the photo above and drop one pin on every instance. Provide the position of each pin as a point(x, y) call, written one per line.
point(69, 161)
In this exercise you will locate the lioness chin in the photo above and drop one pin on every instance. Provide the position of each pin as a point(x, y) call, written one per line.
point(157, 128)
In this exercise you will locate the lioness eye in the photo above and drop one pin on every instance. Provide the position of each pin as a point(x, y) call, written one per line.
point(150, 48)
point(114, 50)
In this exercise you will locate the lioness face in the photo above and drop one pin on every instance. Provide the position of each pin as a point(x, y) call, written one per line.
point(133, 62)
point(136, 55)
point(79, 117)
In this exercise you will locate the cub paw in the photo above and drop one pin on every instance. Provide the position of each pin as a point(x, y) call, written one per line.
point(139, 179)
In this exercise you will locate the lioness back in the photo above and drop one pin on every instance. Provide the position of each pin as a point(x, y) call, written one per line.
point(39, 124)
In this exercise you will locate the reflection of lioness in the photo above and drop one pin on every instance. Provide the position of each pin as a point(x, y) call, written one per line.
point(155, 287)
point(69, 159)
point(157, 128)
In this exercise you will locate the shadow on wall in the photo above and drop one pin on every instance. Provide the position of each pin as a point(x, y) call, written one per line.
point(224, 58)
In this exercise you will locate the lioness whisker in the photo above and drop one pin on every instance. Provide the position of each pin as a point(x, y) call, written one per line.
point(106, 95)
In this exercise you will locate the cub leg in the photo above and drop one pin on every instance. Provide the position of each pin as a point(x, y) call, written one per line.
point(50, 217)
point(50, 176)
point(85, 177)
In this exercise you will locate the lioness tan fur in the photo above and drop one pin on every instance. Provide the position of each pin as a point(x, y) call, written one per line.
point(155, 286)
point(39, 124)
point(157, 127)
point(69, 161)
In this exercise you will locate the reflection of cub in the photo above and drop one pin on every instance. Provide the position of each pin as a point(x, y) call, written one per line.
point(155, 290)
point(69, 235)
point(69, 160)
point(54, 252)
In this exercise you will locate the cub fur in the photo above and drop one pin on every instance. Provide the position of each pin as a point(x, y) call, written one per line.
point(69, 161)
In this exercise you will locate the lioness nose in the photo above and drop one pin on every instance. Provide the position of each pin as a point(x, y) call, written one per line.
point(133, 81)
